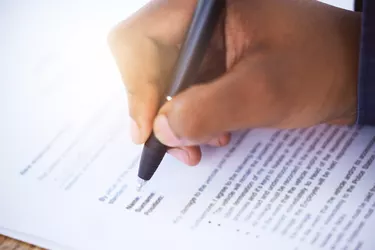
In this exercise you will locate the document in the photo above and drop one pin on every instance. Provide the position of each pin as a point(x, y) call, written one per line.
point(68, 169)
point(305, 187)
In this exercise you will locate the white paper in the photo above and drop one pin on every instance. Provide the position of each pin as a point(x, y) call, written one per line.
point(345, 4)
point(262, 186)
point(68, 166)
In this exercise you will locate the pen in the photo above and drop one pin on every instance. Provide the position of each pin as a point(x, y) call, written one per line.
point(202, 26)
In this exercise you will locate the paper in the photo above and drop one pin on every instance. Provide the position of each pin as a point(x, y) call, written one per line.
point(306, 188)
point(68, 168)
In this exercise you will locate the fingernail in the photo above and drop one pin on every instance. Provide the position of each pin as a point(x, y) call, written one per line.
point(218, 141)
point(164, 132)
point(214, 142)
point(135, 132)
point(179, 154)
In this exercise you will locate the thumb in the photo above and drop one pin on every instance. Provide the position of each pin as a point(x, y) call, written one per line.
point(233, 101)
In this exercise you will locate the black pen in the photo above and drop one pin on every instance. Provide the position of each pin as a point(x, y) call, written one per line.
point(204, 21)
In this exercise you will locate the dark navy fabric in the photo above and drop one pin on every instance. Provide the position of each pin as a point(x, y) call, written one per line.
point(366, 85)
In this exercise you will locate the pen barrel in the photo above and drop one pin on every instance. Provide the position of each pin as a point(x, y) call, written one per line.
point(196, 42)
point(192, 52)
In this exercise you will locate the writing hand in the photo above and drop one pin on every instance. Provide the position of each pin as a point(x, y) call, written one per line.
point(271, 63)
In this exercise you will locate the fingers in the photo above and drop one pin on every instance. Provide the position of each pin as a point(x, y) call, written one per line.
point(162, 20)
point(142, 72)
point(220, 141)
point(191, 155)
point(145, 49)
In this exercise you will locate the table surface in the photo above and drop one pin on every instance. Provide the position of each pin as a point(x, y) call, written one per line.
point(11, 244)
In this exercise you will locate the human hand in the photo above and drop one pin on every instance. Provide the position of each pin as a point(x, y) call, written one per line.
point(271, 63)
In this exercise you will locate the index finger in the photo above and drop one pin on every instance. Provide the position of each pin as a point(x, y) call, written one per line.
point(145, 47)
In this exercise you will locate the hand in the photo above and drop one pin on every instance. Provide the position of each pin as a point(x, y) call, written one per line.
point(271, 63)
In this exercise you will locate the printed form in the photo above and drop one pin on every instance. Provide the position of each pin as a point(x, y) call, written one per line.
point(69, 169)
point(308, 187)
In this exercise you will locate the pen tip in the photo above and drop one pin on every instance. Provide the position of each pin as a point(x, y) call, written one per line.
point(141, 184)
